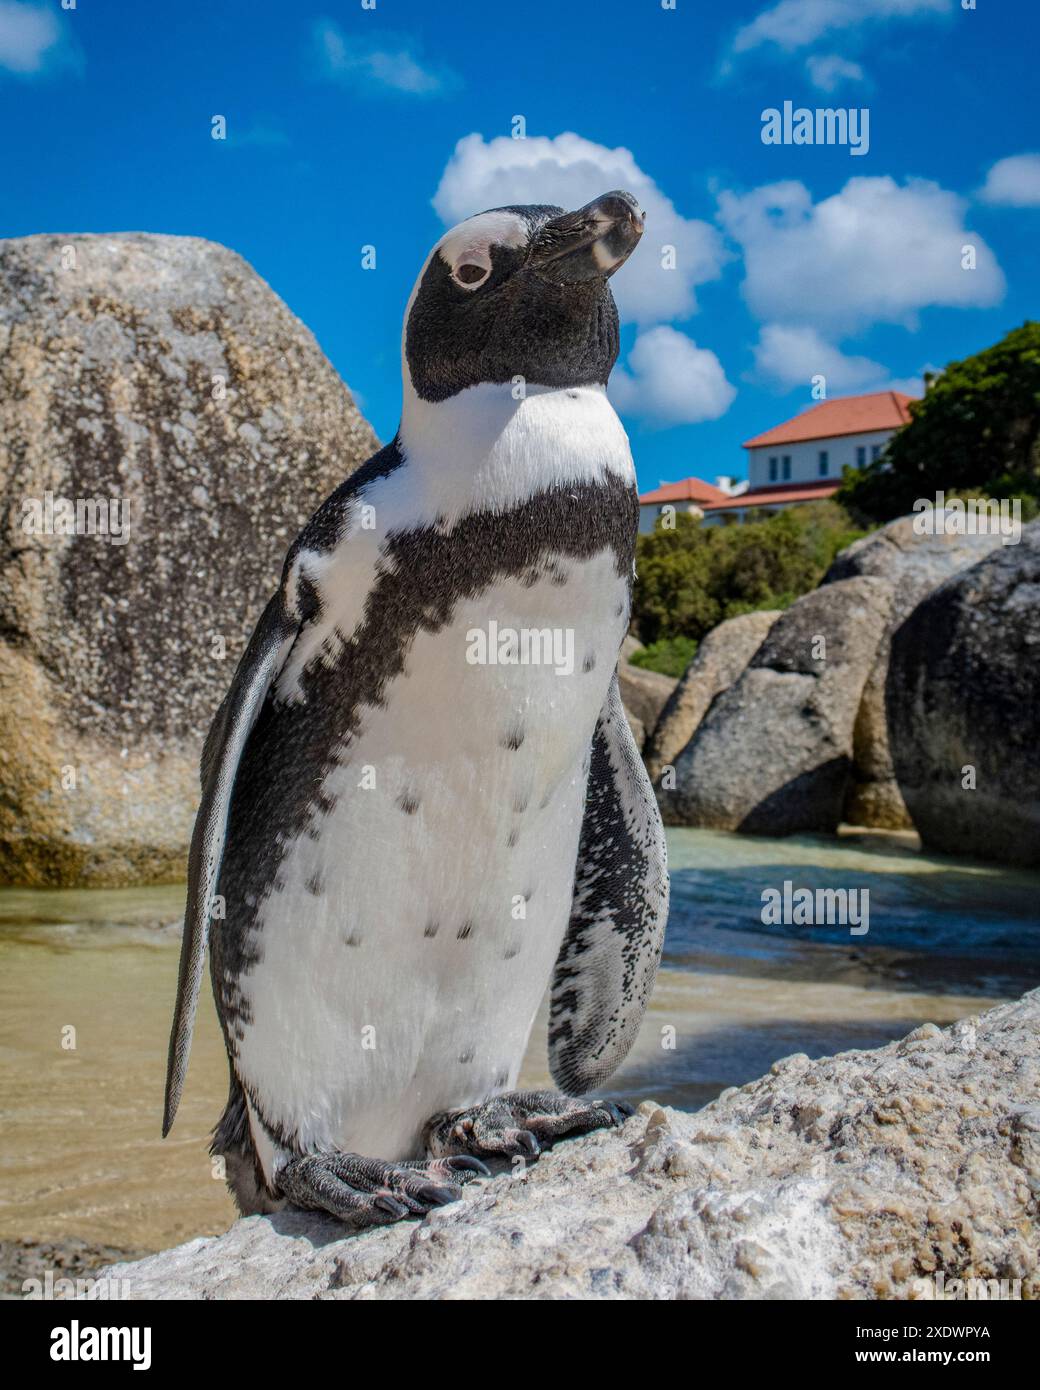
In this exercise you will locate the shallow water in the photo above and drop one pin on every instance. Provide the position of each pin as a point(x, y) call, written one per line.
point(81, 1153)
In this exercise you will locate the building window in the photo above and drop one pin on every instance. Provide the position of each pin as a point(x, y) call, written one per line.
point(824, 463)
point(861, 455)
point(772, 470)
point(875, 451)
point(787, 467)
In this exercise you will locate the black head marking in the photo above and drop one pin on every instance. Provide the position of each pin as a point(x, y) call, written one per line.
point(521, 292)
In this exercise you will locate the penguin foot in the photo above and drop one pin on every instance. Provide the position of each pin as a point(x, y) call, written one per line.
point(363, 1192)
point(519, 1122)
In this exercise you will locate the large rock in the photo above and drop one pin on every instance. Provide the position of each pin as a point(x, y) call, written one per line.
point(863, 1176)
point(914, 564)
point(963, 701)
point(773, 755)
point(720, 659)
point(644, 695)
point(628, 647)
point(163, 373)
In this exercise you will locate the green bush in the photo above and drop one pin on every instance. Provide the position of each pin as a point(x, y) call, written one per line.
point(976, 433)
point(668, 655)
point(692, 577)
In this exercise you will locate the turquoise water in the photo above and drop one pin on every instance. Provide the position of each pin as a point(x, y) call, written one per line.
point(81, 1154)
point(935, 922)
point(946, 939)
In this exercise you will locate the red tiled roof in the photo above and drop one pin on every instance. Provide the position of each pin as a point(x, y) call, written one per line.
point(688, 490)
point(777, 492)
point(881, 410)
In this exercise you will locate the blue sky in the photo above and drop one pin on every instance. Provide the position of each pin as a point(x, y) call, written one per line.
point(344, 125)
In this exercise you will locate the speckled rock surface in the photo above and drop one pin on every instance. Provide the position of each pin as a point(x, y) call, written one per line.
point(963, 705)
point(857, 1176)
point(163, 373)
point(644, 695)
point(773, 755)
point(720, 659)
point(914, 565)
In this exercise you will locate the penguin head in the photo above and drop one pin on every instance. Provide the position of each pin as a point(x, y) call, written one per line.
point(520, 292)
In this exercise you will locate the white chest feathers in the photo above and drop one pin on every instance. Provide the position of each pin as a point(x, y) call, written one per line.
point(413, 932)
point(482, 451)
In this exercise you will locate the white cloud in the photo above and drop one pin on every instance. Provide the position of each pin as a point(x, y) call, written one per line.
point(876, 252)
point(569, 171)
point(791, 355)
point(1014, 182)
point(794, 24)
point(828, 71)
point(28, 34)
point(376, 63)
point(908, 385)
point(669, 380)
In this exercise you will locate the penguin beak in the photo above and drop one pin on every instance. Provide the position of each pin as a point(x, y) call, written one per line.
point(594, 241)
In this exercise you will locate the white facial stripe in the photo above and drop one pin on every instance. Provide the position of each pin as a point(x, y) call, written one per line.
point(500, 228)
point(477, 234)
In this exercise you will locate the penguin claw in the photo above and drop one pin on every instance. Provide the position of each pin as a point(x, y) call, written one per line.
point(363, 1192)
point(387, 1203)
point(619, 1110)
point(466, 1163)
point(438, 1196)
point(526, 1140)
point(519, 1123)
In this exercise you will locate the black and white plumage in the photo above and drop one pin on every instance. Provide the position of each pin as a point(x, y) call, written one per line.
point(398, 847)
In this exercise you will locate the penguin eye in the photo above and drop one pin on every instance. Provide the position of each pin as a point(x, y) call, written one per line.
point(470, 274)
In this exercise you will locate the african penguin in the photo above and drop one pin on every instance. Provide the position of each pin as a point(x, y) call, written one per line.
point(421, 800)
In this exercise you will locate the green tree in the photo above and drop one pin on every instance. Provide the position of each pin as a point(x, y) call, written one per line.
point(672, 597)
point(692, 577)
point(976, 433)
point(668, 655)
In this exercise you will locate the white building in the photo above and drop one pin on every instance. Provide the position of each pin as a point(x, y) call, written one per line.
point(798, 461)
point(690, 495)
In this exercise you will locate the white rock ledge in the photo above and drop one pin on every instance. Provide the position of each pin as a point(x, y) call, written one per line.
point(855, 1176)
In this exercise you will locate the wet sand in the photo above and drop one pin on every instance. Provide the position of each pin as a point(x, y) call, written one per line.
point(81, 1154)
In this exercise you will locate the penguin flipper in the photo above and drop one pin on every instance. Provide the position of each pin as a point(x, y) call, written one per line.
point(262, 660)
point(608, 961)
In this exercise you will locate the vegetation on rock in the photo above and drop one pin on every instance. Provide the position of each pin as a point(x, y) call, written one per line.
point(691, 577)
point(669, 656)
